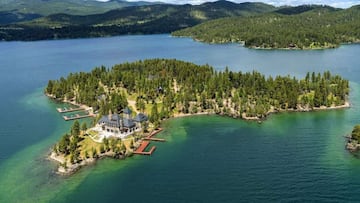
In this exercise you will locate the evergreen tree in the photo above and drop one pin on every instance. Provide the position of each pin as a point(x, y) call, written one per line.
point(75, 129)
point(83, 126)
point(154, 117)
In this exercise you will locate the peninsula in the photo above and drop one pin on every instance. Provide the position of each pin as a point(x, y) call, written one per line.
point(130, 100)
point(302, 27)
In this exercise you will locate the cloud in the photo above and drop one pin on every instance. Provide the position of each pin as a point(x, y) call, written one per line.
point(334, 3)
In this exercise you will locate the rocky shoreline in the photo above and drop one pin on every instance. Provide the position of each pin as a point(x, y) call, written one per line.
point(353, 142)
point(352, 146)
point(299, 109)
point(67, 168)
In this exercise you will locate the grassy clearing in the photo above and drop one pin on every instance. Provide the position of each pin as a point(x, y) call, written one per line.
point(87, 144)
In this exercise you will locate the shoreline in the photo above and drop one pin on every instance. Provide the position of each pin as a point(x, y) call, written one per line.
point(242, 43)
point(314, 109)
point(63, 169)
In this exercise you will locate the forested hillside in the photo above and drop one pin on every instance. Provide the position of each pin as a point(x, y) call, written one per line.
point(300, 28)
point(75, 7)
point(152, 19)
point(181, 87)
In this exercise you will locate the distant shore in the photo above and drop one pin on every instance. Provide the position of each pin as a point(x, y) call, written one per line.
point(242, 43)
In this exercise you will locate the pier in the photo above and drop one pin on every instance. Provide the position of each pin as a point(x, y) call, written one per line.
point(73, 117)
point(77, 116)
point(154, 139)
point(146, 141)
point(140, 150)
point(151, 138)
point(66, 110)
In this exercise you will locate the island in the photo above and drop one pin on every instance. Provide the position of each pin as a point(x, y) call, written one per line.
point(130, 100)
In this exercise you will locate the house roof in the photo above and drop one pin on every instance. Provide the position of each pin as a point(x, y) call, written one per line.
point(128, 123)
point(116, 121)
point(140, 117)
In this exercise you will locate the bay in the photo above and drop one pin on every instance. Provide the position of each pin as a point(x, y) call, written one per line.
point(290, 157)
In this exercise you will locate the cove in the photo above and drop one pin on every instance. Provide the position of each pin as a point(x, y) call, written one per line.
point(290, 157)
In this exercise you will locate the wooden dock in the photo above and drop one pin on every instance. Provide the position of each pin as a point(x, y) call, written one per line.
point(154, 139)
point(77, 116)
point(154, 132)
point(151, 138)
point(140, 150)
point(66, 110)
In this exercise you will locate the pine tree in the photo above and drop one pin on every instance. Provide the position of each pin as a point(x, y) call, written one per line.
point(75, 129)
point(84, 126)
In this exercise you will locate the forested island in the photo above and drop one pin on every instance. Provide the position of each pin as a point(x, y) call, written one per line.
point(353, 144)
point(178, 87)
point(165, 88)
point(303, 27)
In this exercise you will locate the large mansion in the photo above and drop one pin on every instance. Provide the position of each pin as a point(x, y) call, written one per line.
point(117, 125)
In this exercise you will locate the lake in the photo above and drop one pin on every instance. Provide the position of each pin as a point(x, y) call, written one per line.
point(289, 157)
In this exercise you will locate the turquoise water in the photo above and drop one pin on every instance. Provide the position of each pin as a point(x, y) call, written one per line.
point(290, 157)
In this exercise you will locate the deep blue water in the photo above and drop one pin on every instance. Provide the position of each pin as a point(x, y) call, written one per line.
point(290, 157)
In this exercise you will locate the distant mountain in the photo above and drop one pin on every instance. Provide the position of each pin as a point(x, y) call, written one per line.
point(74, 7)
point(172, 15)
point(302, 27)
point(149, 19)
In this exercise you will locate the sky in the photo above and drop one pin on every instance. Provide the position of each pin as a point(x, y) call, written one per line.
point(334, 3)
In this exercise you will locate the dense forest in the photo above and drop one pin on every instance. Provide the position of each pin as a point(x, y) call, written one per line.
point(147, 19)
point(167, 87)
point(300, 27)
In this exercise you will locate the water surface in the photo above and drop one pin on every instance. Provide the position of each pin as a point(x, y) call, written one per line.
point(290, 157)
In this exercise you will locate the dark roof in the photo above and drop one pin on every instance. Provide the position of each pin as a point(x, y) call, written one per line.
point(140, 117)
point(117, 121)
point(128, 123)
point(114, 121)
point(127, 111)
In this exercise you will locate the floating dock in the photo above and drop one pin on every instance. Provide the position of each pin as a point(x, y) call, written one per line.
point(66, 110)
point(140, 150)
point(74, 117)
